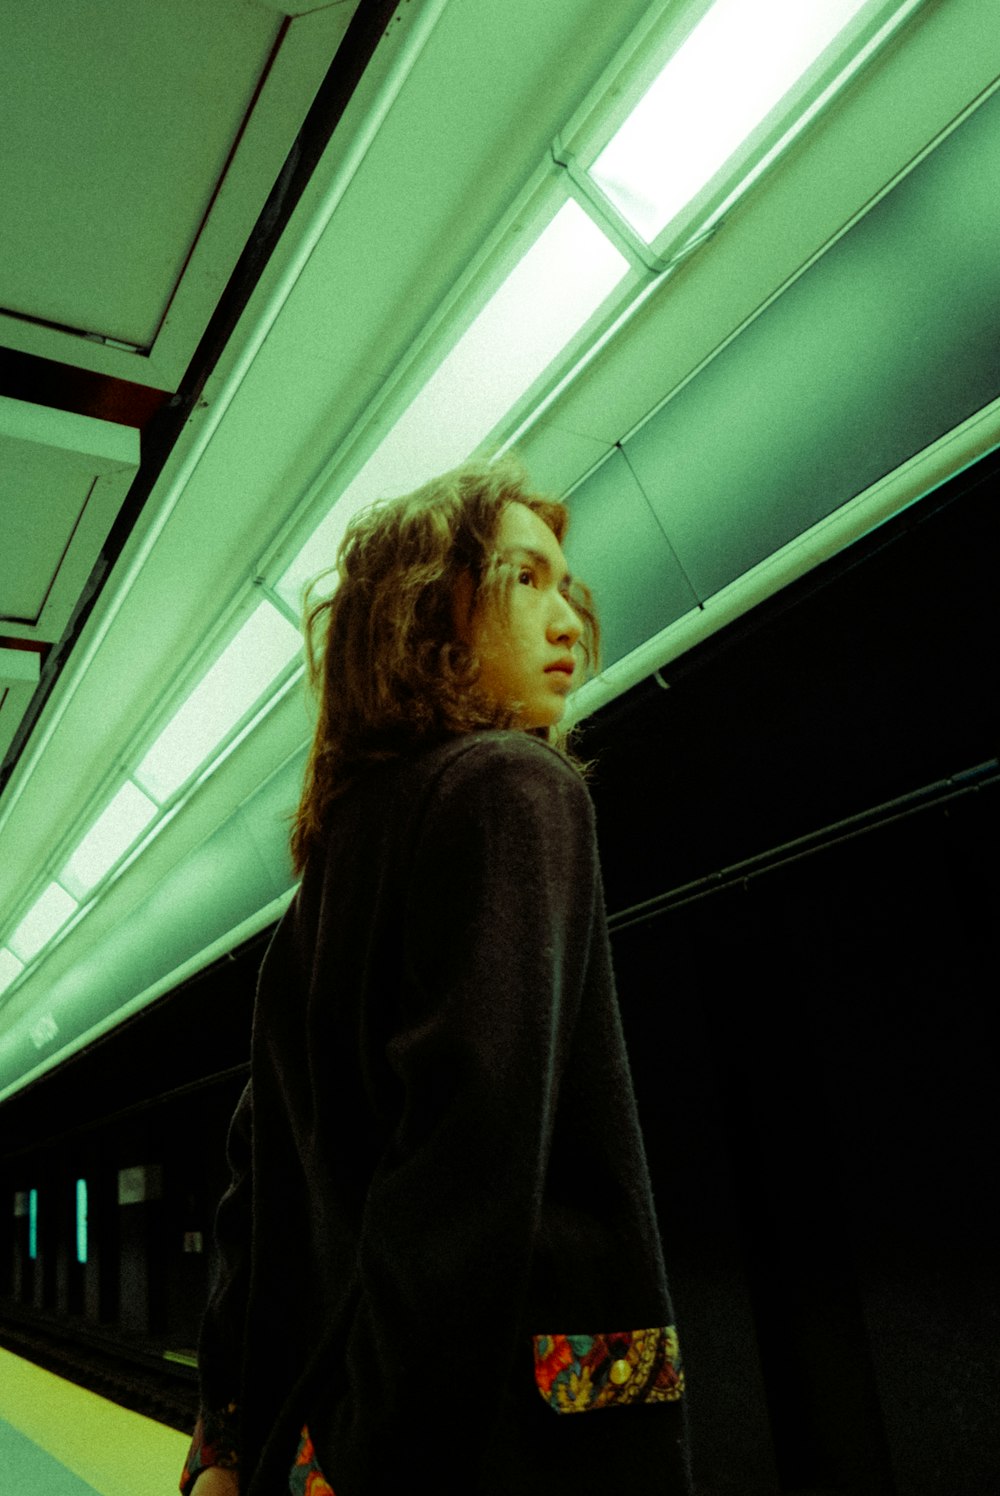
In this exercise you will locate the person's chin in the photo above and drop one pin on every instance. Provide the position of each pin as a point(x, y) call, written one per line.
point(549, 715)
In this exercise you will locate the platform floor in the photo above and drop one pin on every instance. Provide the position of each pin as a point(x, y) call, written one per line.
point(58, 1438)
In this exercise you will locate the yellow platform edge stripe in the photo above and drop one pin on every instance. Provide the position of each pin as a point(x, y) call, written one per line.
point(118, 1452)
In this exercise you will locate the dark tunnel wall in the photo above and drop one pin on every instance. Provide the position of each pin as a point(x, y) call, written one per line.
point(869, 678)
point(815, 1065)
point(811, 1045)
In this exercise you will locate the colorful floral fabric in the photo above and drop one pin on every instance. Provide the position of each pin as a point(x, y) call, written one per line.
point(577, 1373)
point(307, 1479)
point(214, 1443)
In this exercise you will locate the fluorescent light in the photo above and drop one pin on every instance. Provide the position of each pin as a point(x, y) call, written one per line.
point(114, 831)
point(81, 1220)
point(320, 550)
point(47, 915)
point(10, 969)
point(737, 64)
point(250, 663)
point(552, 292)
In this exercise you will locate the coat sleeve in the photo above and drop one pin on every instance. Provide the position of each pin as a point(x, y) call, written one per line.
point(502, 902)
point(216, 1435)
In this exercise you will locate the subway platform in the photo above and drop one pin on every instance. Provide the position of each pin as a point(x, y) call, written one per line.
point(60, 1439)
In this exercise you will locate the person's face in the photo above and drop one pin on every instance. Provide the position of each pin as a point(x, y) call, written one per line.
point(528, 658)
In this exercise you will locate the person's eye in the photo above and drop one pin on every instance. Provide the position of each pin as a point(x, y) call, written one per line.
point(526, 573)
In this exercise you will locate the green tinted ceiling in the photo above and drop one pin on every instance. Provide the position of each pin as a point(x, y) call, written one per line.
point(887, 342)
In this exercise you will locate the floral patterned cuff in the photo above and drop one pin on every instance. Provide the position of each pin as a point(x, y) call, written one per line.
point(307, 1479)
point(214, 1443)
point(577, 1373)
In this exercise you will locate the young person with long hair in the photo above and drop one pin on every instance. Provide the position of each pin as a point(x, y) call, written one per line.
point(438, 1258)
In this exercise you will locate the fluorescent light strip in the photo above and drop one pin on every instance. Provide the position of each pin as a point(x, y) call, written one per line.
point(741, 59)
point(552, 292)
point(251, 662)
point(47, 914)
point(116, 828)
point(81, 1220)
point(796, 127)
point(10, 968)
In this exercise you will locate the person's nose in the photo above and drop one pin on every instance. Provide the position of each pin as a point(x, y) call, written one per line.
point(566, 625)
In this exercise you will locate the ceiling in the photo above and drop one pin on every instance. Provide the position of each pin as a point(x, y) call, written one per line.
point(140, 144)
point(229, 267)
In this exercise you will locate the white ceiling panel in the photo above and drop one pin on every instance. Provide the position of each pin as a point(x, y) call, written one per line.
point(19, 672)
point(138, 144)
point(63, 478)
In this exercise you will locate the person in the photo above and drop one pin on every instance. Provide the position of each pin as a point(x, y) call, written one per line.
point(438, 1258)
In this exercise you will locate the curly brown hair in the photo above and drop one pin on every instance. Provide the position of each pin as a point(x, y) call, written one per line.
point(382, 651)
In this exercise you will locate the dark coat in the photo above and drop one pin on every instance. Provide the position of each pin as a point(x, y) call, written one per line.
point(439, 1249)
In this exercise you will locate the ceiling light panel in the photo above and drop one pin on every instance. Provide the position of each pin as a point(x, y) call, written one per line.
point(539, 309)
point(10, 969)
point(114, 831)
point(46, 916)
point(549, 297)
point(251, 663)
point(745, 61)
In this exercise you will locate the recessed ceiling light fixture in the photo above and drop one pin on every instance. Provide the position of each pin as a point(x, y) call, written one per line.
point(126, 815)
point(252, 660)
point(47, 915)
point(554, 289)
point(736, 82)
point(10, 968)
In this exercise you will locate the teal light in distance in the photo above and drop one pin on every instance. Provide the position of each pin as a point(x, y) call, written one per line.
point(46, 916)
point(548, 297)
point(33, 1224)
point(250, 662)
point(81, 1220)
point(738, 63)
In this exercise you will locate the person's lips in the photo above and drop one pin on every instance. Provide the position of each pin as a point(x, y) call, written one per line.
point(566, 665)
